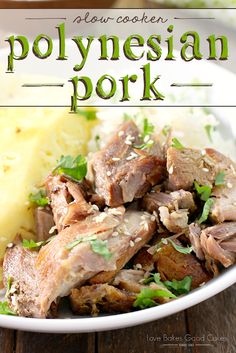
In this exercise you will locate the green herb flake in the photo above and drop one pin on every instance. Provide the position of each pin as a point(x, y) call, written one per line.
point(9, 283)
point(39, 198)
point(88, 114)
point(209, 129)
point(206, 210)
point(148, 128)
point(166, 130)
point(31, 244)
point(145, 299)
point(179, 287)
point(76, 242)
point(180, 248)
point(74, 168)
point(5, 310)
point(203, 191)
point(100, 247)
point(97, 141)
point(177, 144)
point(220, 179)
point(144, 146)
point(154, 277)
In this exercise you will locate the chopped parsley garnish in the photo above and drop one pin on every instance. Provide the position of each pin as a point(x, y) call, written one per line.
point(177, 144)
point(39, 198)
point(74, 243)
point(88, 114)
point(179, 248)
point(5, 310)
point(179, 287)
point(209, 129)
point(145, 299)
point(74, 168)
point(148, 128)
point(206, 210)
point(154, 277)
point(203, 191)
point(31, 244)
point(144, 146)
point(9, 283)
point(220, 179)
point(97, 141)
point(166, 129)
point(100, 247)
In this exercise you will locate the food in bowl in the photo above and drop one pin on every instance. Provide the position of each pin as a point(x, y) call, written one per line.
point(142, 220)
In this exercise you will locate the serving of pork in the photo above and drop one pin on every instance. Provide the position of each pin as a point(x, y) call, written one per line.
point(121, 172)
point(144, 214)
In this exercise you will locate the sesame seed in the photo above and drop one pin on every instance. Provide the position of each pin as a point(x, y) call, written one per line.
point(146, 139)
point(52, 230)
point(203, 152)
point(108, 173)
point(136, 240)
point(171, 169)
point(153, 218)
point(10, 245)
point(138, 266)
point(205, 170)
point(229, 185)
point(121, 133)
point(95, 208)
point(127, 142)
point(116, 159)
point(131, 243)
point(115, 234)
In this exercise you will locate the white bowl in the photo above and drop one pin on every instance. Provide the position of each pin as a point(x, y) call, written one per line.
point(71, 324)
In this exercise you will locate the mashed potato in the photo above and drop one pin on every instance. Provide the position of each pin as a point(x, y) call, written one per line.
point(31, 141)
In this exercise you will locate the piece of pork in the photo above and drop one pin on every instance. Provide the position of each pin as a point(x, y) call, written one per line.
point(187, 165)
point(219, 243)
point(174, 201)
point(60, 269)
point(108, 298)
point(172, 264)
point(224, 206)
point(68, 203)
point(174, 221)
point(194, 237)
point(91, 300)
point(44, 223)
point(19, 270)
point(138, 227)
point(172, 208)
point(121, 172)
